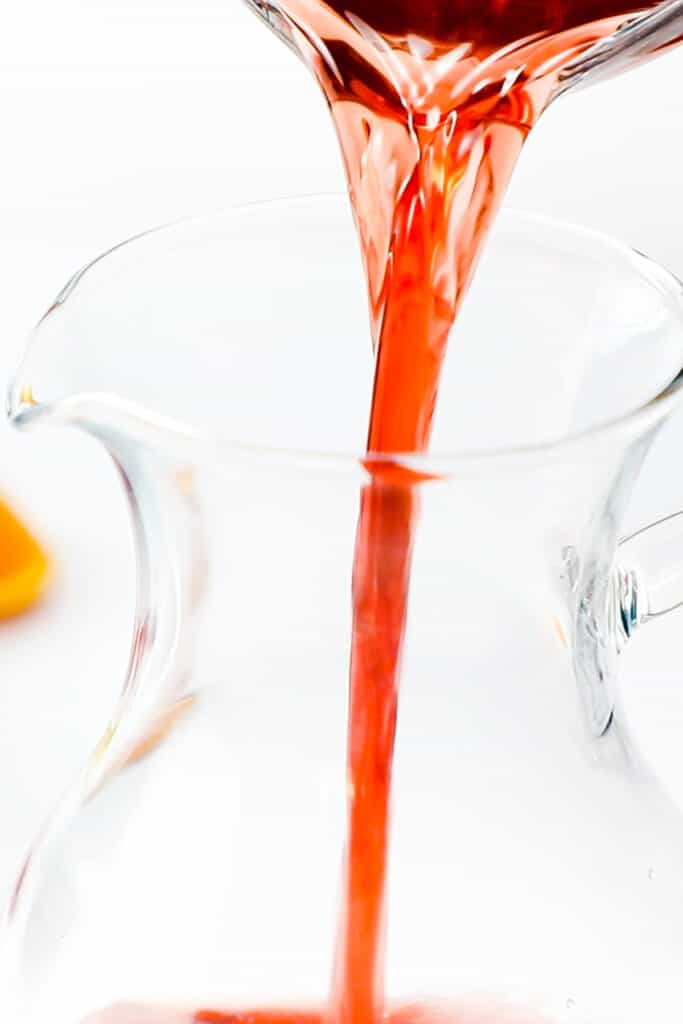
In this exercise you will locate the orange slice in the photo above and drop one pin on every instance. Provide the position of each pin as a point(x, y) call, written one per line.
point(23, 565)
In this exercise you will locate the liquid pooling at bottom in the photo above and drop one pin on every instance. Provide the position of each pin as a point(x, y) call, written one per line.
point(473, 1013)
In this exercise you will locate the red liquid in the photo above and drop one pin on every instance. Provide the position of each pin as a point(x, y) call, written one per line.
point(128, 1014)
point(432, 102)
point(429, 145)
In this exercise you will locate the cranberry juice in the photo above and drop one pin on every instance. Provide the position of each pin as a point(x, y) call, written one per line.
point(432, 102)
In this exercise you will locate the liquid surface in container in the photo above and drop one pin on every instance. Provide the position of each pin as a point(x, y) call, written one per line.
point(481, 1014)
point(432, 103)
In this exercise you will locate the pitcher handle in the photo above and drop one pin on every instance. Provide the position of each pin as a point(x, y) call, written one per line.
point(646, 582)
point(650, 573)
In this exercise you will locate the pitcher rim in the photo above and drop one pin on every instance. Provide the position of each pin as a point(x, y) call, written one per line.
point(82, 407)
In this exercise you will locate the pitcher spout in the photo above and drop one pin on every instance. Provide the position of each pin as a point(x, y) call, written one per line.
point(22, 407)
point(71, 374)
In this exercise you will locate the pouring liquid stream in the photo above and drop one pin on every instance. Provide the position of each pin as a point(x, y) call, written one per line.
point(432, 102)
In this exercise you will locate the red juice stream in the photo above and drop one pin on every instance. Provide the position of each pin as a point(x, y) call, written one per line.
point(429, 142)
point(432, 103)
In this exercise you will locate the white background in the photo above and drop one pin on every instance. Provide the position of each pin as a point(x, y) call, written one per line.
point(117, 116)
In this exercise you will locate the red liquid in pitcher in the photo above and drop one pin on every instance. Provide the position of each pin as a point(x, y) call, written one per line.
point(128, 1014)
point(432, 102)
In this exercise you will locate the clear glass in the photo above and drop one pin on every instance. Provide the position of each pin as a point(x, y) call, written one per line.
point(535, 860)
point(637, 40)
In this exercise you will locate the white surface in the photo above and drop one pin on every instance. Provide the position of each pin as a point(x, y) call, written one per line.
point(116, 117)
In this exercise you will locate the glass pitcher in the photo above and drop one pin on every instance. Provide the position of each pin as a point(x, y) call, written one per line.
point(535, 860)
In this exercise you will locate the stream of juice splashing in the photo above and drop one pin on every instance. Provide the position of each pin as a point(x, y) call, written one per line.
point(432, 103)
